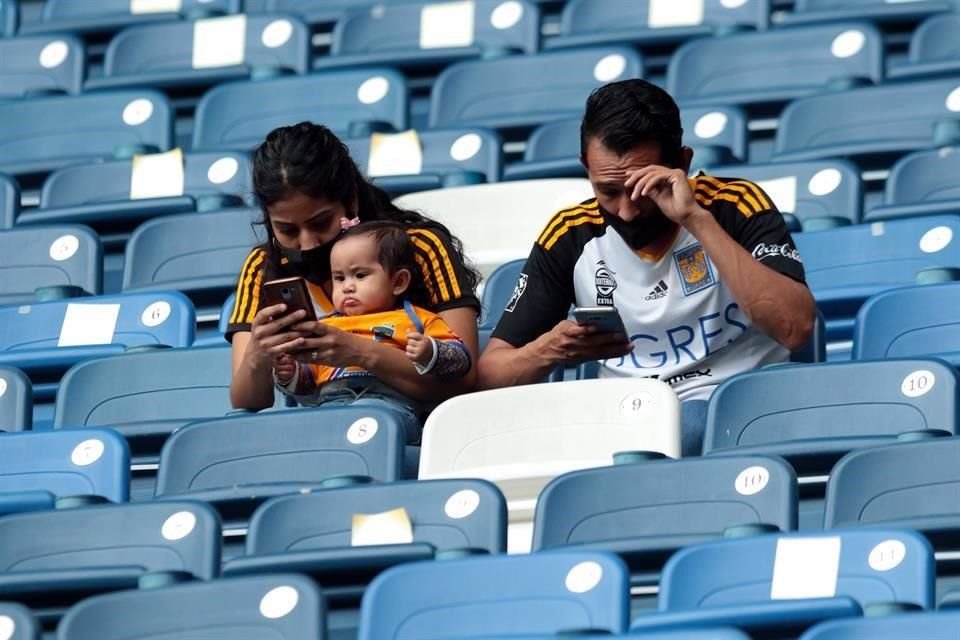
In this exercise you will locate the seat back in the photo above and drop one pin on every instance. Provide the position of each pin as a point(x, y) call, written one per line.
point(916, 625)
point(102, 125)
point(291, 448)
point(92, 462)
point(34, 333)
point(478, 214)
point(729, 69)
point(18, 621)
point(9, 201)
point(446, 514)
point(266, 42)
point(924, 176)
point(154, 536)
point(563, 590)
point(910, 485)
point(204, 174)
point(38, 64)
point(313, 11)
point(280, 607)
point(235, 116)
point(864, 8)
point(934, 41)
point(660, 506)
point(444, 153)
point(48, 257)
point(422, 26)
point(9, 16)
point(510, 92)
point(16, 400)
point(835, 407)
point(807, 190)
point(147, 395)
point(884, 120)
point(498, 290)
point(871, 566)
point(590, 16)
point(909, 322)
point(107, 15)
point(197, 253)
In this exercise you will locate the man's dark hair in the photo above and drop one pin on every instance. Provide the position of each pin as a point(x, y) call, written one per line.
point(625, 114)
point(395, 251)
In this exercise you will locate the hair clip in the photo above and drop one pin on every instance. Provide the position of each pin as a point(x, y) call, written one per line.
point(348, 223)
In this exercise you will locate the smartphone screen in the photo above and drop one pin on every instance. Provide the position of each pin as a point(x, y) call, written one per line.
point(605, 319)
point(292, 292)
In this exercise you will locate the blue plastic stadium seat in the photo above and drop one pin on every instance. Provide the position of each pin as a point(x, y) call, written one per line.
point(147, 395)
point(414, 34)
point(941, 624)
point(910, 322)
point(716, 134)
point(9, 17)
point(47, 338)
point(352, 103)
point(207, 336)
point(811, 195)
point(451, 158)
point(200, 254)
point(510, 92)
point(100, 194)
point(36, 65)
point(922, 183)
point(813, 414)
point(235, 463)
point(489, 596)
point(279, 607)
point(19, 621)
point(787, 582)
point(312, 11)
point(872, 124)
point(644, 511)
point(62, 256)
point(9, 201)
point(54, 558)
point(846, 266)
point(933, 50)
point(104, 16)
point(38, 467)
point(314, 534)
point(881, 11)
point(497, 291)
point(729, 70)
point(907, 485)
point(16, 400)
point(36, 140)
point(165, 55)
point(594, 22)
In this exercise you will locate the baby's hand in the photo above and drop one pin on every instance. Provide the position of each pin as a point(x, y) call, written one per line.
point(284, 367)
point(419, 348)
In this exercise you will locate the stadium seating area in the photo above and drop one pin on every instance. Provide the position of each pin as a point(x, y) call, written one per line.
point(135, 503)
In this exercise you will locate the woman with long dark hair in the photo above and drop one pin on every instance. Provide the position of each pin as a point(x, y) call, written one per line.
point(305, 182)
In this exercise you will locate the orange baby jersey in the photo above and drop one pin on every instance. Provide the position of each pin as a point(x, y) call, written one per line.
point(390, 327)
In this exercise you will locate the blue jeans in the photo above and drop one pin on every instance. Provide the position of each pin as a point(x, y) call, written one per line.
point(693, 424)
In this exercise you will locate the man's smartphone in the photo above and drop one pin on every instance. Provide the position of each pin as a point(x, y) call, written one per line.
point(605, 319)
point(292, 292)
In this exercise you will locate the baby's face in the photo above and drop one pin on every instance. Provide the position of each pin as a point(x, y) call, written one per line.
point(360, 283)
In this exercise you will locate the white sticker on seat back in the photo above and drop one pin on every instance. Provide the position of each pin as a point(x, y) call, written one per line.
point(783, 192)
point(64, 247)
point(805, 568)
point(3, 387)
point(138, 7)
point(447, 25)
point(88, 324)
point(219, 42)
point(395, 154)
point(674, 13)
point(919, 383)
point(7, 628)
point(157, 175)
point(887, 555)
point(279, 602)
point(584, 577)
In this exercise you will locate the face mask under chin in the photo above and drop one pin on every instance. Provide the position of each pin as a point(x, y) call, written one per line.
point(640, 233)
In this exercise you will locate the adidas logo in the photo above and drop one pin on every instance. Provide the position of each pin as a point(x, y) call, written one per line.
point(659, 291)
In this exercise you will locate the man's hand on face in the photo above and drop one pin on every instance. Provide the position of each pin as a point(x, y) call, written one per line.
point(668, 188)
point(571, 343)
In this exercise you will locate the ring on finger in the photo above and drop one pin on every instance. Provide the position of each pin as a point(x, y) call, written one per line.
point(315, 355)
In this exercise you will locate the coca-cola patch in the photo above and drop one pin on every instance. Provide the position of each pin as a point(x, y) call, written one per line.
point(763, 251)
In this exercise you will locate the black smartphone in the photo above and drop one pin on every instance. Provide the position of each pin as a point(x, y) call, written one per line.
point(292, 292)
point(605, 319)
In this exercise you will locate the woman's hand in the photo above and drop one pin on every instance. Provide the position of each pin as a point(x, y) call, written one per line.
point(272, 335)
point(331, 347)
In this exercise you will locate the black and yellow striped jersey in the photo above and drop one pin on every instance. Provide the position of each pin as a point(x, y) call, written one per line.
point(440, 266)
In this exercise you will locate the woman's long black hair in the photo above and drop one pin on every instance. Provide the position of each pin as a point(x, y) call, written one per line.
point(308, 158)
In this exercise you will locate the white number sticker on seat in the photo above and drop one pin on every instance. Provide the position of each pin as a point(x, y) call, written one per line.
point(752, 481)
point(362, 431)
point(918, 383)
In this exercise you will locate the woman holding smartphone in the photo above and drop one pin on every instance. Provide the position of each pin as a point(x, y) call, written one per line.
point(305, 183)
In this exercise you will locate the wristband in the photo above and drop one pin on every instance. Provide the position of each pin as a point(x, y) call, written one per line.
point(425, 369)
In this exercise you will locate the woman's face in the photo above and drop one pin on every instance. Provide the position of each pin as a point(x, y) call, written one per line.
point(302, 222)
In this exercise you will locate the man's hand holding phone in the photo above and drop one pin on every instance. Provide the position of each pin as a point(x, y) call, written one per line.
point(572, 342)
